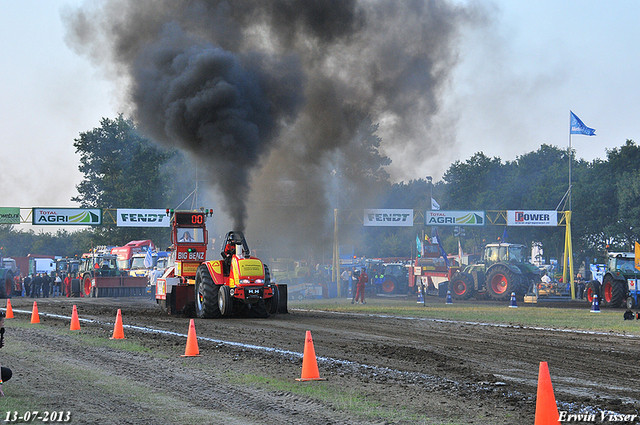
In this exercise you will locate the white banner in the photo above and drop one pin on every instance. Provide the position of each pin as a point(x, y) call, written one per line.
point(388, 217)
point(142, 218)
point(532, 218)
point(454, 218)
point(62, 216)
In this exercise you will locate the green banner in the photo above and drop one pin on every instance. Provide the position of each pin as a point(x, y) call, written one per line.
point(9, 215)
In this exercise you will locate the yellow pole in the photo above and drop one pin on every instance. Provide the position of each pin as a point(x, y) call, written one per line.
point(568, 257)
point(336, 252)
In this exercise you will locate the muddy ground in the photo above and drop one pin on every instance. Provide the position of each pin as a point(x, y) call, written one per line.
point(402, 370)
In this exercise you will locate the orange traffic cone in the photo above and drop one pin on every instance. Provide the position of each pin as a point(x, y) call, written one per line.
point(192, 342)
point(9, 313)
point(309, 363)
point(75, 322)
point(118, 332)
point(35, 317)
point(546, 408)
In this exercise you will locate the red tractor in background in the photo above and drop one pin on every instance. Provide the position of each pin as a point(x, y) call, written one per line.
point(212, 289)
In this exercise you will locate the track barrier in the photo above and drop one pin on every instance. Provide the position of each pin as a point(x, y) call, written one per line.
point(75, 322)
point(513, 303)
point(118, 332)
point(9, 312)
point(449, 299)
point(595, 304)
point(191, 349)
point(546, 408)
point(309, 362)
point(35, 317)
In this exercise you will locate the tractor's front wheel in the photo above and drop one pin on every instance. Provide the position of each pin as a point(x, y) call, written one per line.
point(501, 282)
point(225, 302)
point(592, 288)
point(206, 294)
point(272, 303)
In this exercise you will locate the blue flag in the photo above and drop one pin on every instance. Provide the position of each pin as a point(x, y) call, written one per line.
point(504, 235)
point(442, 251)
point(578, 127)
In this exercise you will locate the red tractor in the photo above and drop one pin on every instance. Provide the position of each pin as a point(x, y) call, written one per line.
point(211, 289)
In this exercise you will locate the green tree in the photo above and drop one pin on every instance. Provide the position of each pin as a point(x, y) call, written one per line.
point(122, 169)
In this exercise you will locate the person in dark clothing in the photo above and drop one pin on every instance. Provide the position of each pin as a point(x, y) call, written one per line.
point(27, 285)
point(5, 372)
point(46, 285)
point(36, 284)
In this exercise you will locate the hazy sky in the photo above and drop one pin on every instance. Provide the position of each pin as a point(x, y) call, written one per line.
point(517, 78)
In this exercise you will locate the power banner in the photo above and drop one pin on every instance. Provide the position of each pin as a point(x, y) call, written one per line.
point(388, 217)
point(67, 216)
point(532, 218)
point(142, 218)
point(454, 218)
point(9, 215)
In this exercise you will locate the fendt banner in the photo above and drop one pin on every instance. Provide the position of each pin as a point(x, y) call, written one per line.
point(454, 218)
point(9, 215)
point(388, 217)
point(58, 216)
point(142, 218)
point(532, 218)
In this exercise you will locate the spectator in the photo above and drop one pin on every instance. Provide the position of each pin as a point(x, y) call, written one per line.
point(344, 276)
point(46, 285)
point(363, 279)
point(57, 286)
point(5, 372)
point(36, 284)
point(581, 284)
point(26, 284)
point(67, 286)
point(352, 285)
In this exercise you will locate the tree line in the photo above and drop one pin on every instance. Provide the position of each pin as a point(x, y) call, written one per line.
point(121, 168)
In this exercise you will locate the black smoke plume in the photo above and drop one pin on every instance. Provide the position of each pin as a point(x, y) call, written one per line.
point(260, 91)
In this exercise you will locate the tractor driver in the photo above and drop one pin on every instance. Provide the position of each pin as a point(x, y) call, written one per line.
point(227, 254)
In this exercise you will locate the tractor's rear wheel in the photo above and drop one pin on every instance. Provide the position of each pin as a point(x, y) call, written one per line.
point(612, 292)
point(501, 282)
point(206, 294)
point(461, 286)
point(225, 302)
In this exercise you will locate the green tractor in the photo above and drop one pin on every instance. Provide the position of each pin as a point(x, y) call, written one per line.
point(502, 272)
point(620, 282)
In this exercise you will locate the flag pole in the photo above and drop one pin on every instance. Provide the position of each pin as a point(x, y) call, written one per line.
point(570, 161)
point(568, 248)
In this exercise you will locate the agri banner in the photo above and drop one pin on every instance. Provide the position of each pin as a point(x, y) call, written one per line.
point(142, 218)
point(454, 218)
point(9, 215)
point(67, 216)
point(532, 218)
point(388, 217)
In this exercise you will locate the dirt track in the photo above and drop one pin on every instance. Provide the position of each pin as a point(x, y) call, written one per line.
point(425, 371)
